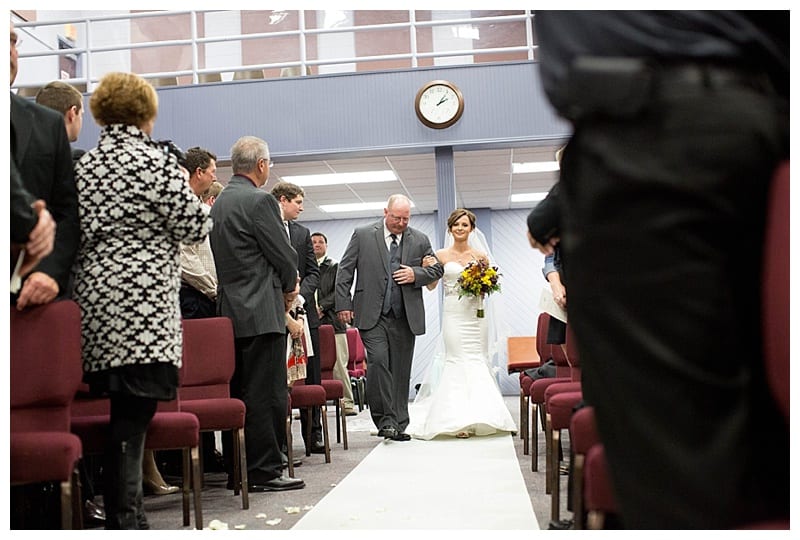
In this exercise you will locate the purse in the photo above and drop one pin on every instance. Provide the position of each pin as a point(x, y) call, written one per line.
point(296, 363)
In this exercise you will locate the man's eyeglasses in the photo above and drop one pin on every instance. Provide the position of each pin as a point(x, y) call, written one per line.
point(398, 218)
point(268, 161)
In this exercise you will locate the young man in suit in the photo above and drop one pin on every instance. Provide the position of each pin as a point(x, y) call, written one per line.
point(257, 280)
point(385, 259)
point(290, 197)
point(326, 303)
point(41, 149)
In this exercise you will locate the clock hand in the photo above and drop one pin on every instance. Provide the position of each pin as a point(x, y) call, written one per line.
point(442, 101)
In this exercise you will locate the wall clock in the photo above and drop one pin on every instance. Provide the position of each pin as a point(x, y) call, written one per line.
point(439, 104)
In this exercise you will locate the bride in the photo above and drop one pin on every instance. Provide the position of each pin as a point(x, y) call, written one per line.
point(459, 396)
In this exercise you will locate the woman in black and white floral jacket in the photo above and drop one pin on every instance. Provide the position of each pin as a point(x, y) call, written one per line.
point(135, 207)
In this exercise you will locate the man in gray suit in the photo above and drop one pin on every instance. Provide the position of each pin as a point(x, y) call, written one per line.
point(387, 307)
point(257, 279)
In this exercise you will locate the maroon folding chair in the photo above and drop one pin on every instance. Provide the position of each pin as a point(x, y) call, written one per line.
point(45, 374)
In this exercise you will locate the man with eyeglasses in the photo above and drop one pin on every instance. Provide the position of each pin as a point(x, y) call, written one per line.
point(385, 258)
point(257, 272)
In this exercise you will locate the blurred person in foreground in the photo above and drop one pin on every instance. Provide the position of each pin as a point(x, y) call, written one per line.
point(135, 208)
point(40, 147)
point(663, 182)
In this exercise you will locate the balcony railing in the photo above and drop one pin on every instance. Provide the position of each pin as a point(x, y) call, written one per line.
point(81, 50)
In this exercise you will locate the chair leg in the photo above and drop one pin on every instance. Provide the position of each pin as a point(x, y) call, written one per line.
point(554, 470)
point(289, 443)
point(240, 455)
point(523, 421)
point(187, 485)
point(595, 520)
point(76, 504)
point(534, 437)
point(191, 477)
point(548, 486)
point(343, 416)
point(66, 504)
point(309, 415)
point(338, 414)
point(577, 491)
point(325, 436)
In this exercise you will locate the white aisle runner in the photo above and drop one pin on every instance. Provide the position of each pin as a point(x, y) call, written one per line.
point(446, 483)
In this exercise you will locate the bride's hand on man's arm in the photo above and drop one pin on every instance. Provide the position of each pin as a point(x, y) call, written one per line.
point(430, 260)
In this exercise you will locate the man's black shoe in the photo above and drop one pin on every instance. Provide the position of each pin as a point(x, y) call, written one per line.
point(318, 448)
point(561, 525)
point(277, 484)
point(393, 434)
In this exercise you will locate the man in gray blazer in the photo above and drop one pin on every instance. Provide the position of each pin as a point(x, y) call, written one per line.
point(257, 279)
point(387, 307)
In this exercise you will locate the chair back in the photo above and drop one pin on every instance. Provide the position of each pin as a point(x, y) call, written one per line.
point(327, 352)
point(45, 365)
point(357, 354)
point(209, 358)
point(775, 289)
point(573, 358)
point(542, 347)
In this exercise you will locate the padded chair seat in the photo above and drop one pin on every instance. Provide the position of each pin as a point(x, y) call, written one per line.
point(307, 395)
point(334, 389)
point(44, 456)
point(538, 387)
point(560, 407)
point(166, 430)
point(217, 414)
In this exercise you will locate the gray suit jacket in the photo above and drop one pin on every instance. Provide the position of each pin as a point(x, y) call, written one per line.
point(367, 258)
point(255, 263)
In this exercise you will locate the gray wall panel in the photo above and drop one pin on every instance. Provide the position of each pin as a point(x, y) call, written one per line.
point(359, 113)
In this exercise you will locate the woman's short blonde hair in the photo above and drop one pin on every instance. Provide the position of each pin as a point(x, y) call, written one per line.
point(123, 98)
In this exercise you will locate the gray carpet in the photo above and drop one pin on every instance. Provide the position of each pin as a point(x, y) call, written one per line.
point(282, 511)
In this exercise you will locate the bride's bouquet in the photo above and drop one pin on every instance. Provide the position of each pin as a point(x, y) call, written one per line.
point(479, 279)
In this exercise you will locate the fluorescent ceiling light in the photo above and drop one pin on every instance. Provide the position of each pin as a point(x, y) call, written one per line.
point(334, 179)
point(355, 207)
point(528, 197)
point(534, 167)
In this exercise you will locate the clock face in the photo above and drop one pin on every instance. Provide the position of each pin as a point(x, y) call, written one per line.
point(439, 104)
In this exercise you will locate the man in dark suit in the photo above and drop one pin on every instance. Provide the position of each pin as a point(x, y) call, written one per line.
point(257, 280)
point(387, 307)
point(326, 310)
point(290, 197)
point(40, 147)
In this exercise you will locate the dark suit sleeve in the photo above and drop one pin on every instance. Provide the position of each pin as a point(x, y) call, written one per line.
point(310, 280)
point(326, 297)
point(23, 218)
point(271, 238)
point(544, 220)
point(346, 273)
point(62, 202)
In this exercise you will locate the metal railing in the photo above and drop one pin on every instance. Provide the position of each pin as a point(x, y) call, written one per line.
point(90, 74)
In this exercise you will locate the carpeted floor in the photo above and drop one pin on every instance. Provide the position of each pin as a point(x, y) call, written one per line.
point(368, 499)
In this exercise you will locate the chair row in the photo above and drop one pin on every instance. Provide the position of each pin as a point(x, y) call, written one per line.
point(54, 422)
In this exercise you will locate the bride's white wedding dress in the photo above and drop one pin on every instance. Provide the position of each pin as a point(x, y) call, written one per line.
point(464, 397)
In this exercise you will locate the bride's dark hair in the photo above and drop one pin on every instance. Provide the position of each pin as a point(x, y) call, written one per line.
point(456, 214)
